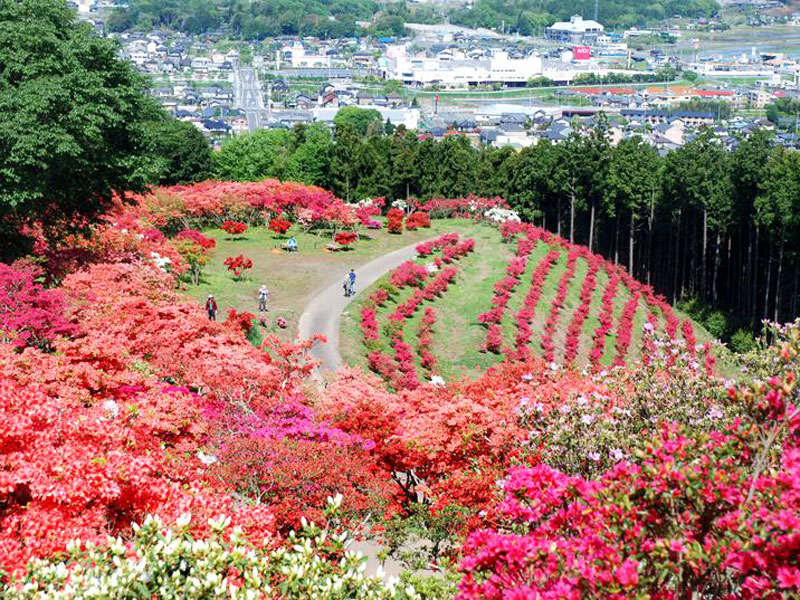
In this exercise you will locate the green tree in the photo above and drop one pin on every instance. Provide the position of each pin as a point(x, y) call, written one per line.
point(72, 120)
point(310, 161)
point(374, 168)
point(344, 162)
point(633, 185)
point(533, 182)
point(404, 166)
point(456, 167)
point(362, 120)
point(182, 153)
point(254, 156)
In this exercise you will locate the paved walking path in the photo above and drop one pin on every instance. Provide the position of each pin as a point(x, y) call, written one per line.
point(323, 314)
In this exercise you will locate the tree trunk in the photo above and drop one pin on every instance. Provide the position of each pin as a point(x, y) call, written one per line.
point(766, 287)
point(591, 229)
point(572, 215)
point(558, 216)
point(715, 274)
point(703, 272)
point(677, 258)
point(616, 240)
point(630, 244)
point(754, 282)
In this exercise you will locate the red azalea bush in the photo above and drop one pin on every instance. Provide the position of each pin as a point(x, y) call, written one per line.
point(241, 321)
point(279, 225)
point(394, 220)
point(427, 248)
point(625, 328)
point(548, 347)
point(194, 236)
point(234, 227)
point(525, 316)
point(581, 313)
point(369, 208)
point(606, 321)
point(30, 315)
point(238, 265)
point(417, 219)
point(345, 238)
point(469, 207)
point(408, 273)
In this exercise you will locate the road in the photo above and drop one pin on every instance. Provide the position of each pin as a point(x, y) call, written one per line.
point(249, 96)
point(323, 313)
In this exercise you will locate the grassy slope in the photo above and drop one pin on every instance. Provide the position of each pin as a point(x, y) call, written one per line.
point(294, 278)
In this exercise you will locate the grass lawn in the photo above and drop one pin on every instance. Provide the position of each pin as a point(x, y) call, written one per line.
point(292, 279)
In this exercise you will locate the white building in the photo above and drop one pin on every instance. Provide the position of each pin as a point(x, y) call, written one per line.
point(575, 31)
point(295, 56)
point(452, 68)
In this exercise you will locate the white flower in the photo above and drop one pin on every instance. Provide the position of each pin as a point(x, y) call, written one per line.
point(111, 407)
point(527, 377)
point(714, 413)
point(553, 366)
point(206, 459)
point(617, 454)
point(582, 400)
point(437, 380)
point(500, 215)
point(594, 456)
point(537, 407)
point(431, 268)
point(587, 419)
point(649, 327)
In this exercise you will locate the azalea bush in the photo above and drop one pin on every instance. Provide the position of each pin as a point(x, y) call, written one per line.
point(394, 220)
point(196, 249)
point(238, 265)
point(417, 219)
point(279, 225)
point(345, 238)
point(30, 314)
point(169, 561)
point(234, 228)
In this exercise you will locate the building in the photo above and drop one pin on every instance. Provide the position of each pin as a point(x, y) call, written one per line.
point(575, 31)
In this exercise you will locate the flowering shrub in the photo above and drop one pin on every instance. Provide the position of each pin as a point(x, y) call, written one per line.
point(425, 339)
point(581, 313)
point(279, 225)
point(195, 249)
point(499, 215)
point(234, 227)
point(30, 315)
point(172, 562)
point(242, 321)
point(606, 321)
point(625, 328)
point(548, 347)
point(417, 219)
point(470, 207)
point(407, 274)
point(394, 220)
point(368, 208)
point(345, 238)
point(525, 316)
point(281, 322)
point(427, 248)
point(238, 265)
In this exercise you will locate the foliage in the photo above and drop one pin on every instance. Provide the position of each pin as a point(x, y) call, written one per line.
point(394, 220)
point(59, 166)
point(181, 151)
point(195, 248)
point(279, 225)
point(345, 238)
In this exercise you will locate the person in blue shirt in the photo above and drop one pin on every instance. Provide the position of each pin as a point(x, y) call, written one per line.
point(291, 245)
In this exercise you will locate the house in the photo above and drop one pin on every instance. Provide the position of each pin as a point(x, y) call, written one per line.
point(694, 118)
point(651, 117)
point(215, 126)
point(575, 31)
point(365, 99)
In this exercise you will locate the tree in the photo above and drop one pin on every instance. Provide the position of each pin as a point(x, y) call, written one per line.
point(374, 168)
point(533, 182)
point(253, 156)
point(182, 153)
point(633, 185)
point(363, 120)
point(344, 163)
point(404, 167)
point(310, 162)
point(72, 120)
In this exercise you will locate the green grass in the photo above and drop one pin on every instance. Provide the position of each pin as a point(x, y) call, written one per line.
point(293, 279)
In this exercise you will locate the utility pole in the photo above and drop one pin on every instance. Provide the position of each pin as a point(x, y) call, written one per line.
point(596, 9)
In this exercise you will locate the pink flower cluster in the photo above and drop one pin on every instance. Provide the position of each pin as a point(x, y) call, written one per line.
point(469, 207)
point(582, 312)
point(427, 248)
point(451, 253)
point(369, 323)
point(688, 334)
point(548, 346)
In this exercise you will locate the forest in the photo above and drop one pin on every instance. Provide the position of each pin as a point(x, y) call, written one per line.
point(337, 18)
point(700, 223)
point(528, 17)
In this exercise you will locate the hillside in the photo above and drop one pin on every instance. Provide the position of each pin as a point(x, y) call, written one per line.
point(519, 291)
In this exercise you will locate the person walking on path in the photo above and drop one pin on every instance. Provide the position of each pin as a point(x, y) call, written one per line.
point(352, 277)
point(211, 308)
point(346, 285)
point(263, 296)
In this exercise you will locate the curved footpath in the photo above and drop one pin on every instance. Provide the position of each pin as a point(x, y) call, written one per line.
point(323, 314)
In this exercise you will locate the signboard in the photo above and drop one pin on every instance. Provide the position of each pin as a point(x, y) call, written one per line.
point(581, 53)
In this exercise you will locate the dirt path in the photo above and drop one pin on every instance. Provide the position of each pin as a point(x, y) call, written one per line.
point(323, 313)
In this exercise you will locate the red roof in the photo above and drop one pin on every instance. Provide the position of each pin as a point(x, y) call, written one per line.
point(713, 93)
point(600, 90)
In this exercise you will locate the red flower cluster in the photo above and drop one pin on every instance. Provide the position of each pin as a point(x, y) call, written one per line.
point(688, 335)
point(279, 225)
point(451, 253)
point(625, 328)
point(240, 321)
point(417, 219)
point(469, 207)
point(525, 316)
point(345, 238)
point(367, 209)
point(394, 220)
point(582, 312)
point(238, 265)
point(558, 303)
point(234, 227)
point(606, 319)
point(407, 274)
point(427, 248)
point(369, 324)
point(194, 236)
point(425, 339)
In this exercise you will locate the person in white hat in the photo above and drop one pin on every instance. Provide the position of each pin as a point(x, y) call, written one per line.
point(263, 296)
point(211, 307)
